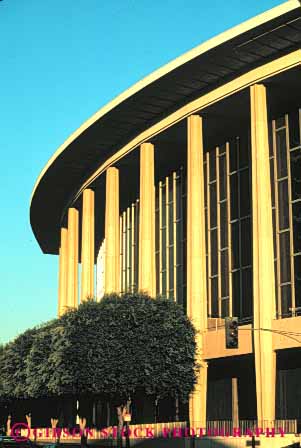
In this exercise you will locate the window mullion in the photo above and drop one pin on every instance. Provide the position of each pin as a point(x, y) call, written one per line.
point(218, 233)
point(277, 220)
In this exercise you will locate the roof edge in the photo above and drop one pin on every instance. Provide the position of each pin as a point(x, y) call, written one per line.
point(213, 42)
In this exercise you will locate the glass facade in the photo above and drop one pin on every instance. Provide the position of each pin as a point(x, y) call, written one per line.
point(285, 163)
point(129, 253)
point(170, 237)
point(228, 229)
point(228, 221)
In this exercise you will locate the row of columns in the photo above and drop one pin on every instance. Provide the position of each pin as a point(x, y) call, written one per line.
point(68, 252)
point(263, 257)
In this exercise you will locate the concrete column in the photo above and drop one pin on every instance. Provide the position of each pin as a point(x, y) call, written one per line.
point(263, 257)
point(112, 262)
point(72, 277)
point(147, 261)
point(235, 412)
point(63, 266)
point(196, 260)
point(88, 241)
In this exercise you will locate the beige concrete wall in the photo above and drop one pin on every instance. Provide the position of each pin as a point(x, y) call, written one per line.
point(292, 324)
point(215, 344)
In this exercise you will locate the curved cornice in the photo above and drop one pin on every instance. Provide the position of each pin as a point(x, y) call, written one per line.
point(68, 157)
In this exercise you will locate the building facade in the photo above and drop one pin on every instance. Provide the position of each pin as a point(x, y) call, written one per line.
point(188, 185)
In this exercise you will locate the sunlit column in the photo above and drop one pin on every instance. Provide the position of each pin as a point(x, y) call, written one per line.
point(87, 253)
point(235, 409)
point(112, 254)
point(147, 266)
point(196, 260)
point(263, 256)
point(63, 254)
point(72, 276)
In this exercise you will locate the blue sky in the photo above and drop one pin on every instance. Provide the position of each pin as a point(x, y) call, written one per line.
point(61, 60)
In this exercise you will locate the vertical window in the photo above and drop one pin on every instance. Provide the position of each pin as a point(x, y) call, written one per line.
point(228, 229)
point(211, 198)
point(286, 177)
point(241, 227)
point(129, 237)
point(170, 242)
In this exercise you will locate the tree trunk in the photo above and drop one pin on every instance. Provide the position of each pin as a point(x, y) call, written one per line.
point(8, 425)
point(119, 426)
point(83, 437)
point(28, 419)
point(126, 410)
point(156, 409)
point(54, 422)
point(108, 414)
point(121, 411)
point(177, 409)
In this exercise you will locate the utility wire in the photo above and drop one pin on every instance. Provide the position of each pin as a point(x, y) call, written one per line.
point(284, 333)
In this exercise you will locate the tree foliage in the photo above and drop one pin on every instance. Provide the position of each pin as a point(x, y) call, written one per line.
point(13, 365)
point(40, 368)
point(114, 347)
point(127, 343)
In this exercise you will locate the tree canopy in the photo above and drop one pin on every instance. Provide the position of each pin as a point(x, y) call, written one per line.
point(124, 343)
point(13, 365)
point(40, 371)
point(113, 347)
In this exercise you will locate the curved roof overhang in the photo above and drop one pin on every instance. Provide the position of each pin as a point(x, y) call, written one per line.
point(201, 70)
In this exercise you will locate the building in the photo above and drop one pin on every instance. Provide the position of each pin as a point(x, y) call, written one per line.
point(192, 178)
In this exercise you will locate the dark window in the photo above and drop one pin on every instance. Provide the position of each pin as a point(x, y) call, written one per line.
point(296, 174)
point(246, 255)
point(285, 267)
point(225, 307)
point(224, 224)
point(222, 177)
point(280, 122)
point(297, 263)
point(224, 273)
point(271, 149)
point(247, 296)
point(294, 129)
point(235, 245)
point(297, 226)
point(283, 205)
point(244, 192)
point(286, 299)
point(213, 205)
point(214, 252)
point(233, 155)
point(236, 293)
point(234, 196)
point(214, 297)
point(243, 153)
point(212, 165)
point(281, 153)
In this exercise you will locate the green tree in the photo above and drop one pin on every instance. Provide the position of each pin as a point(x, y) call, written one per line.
point(2, 355)
point(13, 365)
point(40, 369)
point(113, 348)
point(124, 344)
